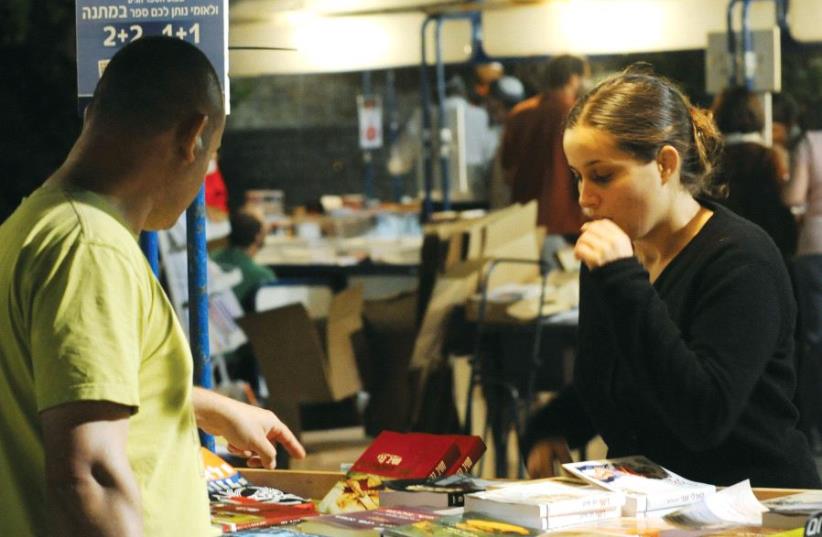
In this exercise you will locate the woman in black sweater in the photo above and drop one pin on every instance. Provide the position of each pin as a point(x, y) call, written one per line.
point(686, 310)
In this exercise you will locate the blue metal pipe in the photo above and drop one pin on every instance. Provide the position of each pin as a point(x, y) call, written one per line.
point(198, 298)
point(148, 243)
point(445, 179)
point(748, 59)
point(427, 142)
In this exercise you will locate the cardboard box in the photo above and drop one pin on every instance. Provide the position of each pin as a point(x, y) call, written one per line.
point(296, 366)
point(308, 484)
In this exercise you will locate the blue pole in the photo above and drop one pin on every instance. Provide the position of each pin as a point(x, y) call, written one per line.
point(445, 179)
point(148, 242)
point(427, 145)
point(748, 57)
point(198, 298)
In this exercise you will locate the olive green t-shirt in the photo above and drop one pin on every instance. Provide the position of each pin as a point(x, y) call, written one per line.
point(83, 318)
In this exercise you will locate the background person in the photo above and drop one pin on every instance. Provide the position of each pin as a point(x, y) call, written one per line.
point(532, 156)
point(752, 171)
point(668, 367)
point(99, 415)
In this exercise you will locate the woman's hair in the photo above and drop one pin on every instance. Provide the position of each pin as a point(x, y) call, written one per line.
point(738, 109)
point(645, 112)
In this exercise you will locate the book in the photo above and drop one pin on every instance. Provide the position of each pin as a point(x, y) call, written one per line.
point(791, 511)
point(466, 525)
point(441, 493)
point(408, 456)
point(365, 523)
point(357, 492)
point(547, 504)
point(227, 515)
point(399, 456)
point(647, 486)
point(471, 448)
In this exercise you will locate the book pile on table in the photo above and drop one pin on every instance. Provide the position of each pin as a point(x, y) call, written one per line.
point(547, 504)
point(236, 504)
point(400, 456)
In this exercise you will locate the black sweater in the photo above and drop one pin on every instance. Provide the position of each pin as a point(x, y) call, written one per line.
point(695, 371)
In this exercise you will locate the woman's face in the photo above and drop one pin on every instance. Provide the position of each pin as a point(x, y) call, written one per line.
point(612, 184)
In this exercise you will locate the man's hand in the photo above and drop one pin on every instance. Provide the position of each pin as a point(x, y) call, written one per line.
point(92, 490)
point(251, 431)
point(602, 242)
point(545, 455)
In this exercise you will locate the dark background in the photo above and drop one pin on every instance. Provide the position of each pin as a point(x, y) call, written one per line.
point(297, 133)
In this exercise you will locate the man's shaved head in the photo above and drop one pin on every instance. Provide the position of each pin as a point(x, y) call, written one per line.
point(155, 83)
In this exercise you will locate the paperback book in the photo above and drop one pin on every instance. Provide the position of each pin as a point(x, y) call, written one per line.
point(547, 504)
point(647, 486)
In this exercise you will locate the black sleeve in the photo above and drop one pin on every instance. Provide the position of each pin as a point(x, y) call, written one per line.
point(698, 389)
point(563, 416)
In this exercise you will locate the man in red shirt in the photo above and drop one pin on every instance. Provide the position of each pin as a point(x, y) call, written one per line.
point(532, 155)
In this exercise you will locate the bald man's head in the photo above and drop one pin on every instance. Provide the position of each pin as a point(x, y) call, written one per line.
point(154, 84)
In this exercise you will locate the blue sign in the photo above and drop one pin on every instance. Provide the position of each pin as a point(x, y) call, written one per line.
point(104, 26)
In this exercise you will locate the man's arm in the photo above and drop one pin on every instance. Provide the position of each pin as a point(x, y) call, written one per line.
point(251, 431)
point(90, 485)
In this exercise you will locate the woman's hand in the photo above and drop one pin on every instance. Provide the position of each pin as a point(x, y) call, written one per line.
point(545, 455)
point(602, 242)
point(252, 432)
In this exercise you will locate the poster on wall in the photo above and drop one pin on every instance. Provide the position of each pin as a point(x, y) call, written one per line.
point(105, 26)
point(369, 111)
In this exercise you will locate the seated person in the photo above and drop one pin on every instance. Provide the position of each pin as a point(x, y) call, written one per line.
point(247, 236)
point(686, 316)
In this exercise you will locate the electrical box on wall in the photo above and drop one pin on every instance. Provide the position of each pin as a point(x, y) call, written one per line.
point(764, 62)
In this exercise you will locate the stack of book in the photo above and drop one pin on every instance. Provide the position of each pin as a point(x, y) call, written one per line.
point(648, 487)
point(237, 505)
point(547, 504)
point(400, 456)
point(466, 525)
point(365, 523)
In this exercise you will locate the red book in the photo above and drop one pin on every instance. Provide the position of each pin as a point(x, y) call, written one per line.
point(471, 449)
point(408, 456)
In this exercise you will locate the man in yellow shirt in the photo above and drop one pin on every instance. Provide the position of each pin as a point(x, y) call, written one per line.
point(97, 413)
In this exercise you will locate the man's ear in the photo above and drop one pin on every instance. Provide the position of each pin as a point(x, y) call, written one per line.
point(191, 137)
point(668, 162)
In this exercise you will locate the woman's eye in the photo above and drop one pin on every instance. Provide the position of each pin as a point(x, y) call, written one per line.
point(601, 178)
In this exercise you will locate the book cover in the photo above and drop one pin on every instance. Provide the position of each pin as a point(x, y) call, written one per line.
point(467, 525)
point(647, 486)
point(537, 504)
point(408, 456)
point(471, 448)
point(441, 493)
point(357, 492)
point(365, 523)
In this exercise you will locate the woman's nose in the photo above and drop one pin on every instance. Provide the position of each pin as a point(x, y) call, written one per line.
point(587, 197)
